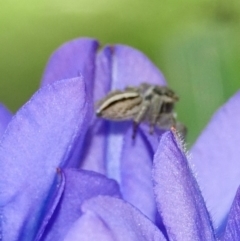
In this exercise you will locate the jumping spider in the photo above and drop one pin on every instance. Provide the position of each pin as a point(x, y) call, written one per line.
point(150, 103)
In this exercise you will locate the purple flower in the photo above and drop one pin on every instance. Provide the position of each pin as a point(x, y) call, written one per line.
point(66, 175)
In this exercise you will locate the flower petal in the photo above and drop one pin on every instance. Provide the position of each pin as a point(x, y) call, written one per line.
point(215, 159)
point(5, 117)
point(95, 142)
point(119, 66)
point(179, 200)
point(82, 229)
point(232, 231)
point(131, 67)
point(136, 173)
point(103, 73)
point(72, 59)
point(80, 186)
point(123, 220)
point(93, 156)
point(37, 141)
point(52, 205)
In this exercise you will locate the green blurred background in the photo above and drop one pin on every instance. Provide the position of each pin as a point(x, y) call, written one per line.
point(196, 44)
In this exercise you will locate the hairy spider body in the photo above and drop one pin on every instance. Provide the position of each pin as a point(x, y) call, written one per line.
point(147, 103)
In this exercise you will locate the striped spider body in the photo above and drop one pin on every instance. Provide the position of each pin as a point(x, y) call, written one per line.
point(146, 103)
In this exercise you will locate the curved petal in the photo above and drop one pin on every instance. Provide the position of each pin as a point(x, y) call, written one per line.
point(80, 186)
point(136, 173)
point(95, 142)
point(119, 66)
point(123, 220)
point(5, 117)
point(178, 198)
point(232, 231)
point(77, 58)
point(37, 141)
point(131, 67)
point(215, 159)
point(93, 156)
point(82, 229)
point(52, 205)
point(103, 73)
point(72, 59)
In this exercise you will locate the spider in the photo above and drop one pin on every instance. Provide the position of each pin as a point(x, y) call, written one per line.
point(146, 103)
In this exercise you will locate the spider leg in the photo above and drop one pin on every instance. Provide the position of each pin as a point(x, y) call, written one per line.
point(182, 130)
point(140, 116)
point(155, 109)
point(166, 120)
point(135, 126)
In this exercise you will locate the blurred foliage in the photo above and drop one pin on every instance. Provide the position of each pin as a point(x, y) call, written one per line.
point(195, 43)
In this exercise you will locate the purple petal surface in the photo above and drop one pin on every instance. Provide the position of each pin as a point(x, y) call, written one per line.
point(95, 142)
point(5, 117)
point(93, 156)
point(75, 58)
point(119, 66)
point(131, 67)
point(80, 186)
point(123, 221)
point(232, 231)
point(52, 205)
point(72, 59)
point(179, 200)
point(215, 158)
point(89, 227)
point(136, 173)
point(37, 141)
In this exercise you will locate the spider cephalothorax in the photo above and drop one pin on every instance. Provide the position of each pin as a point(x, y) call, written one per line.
point(150, 103)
